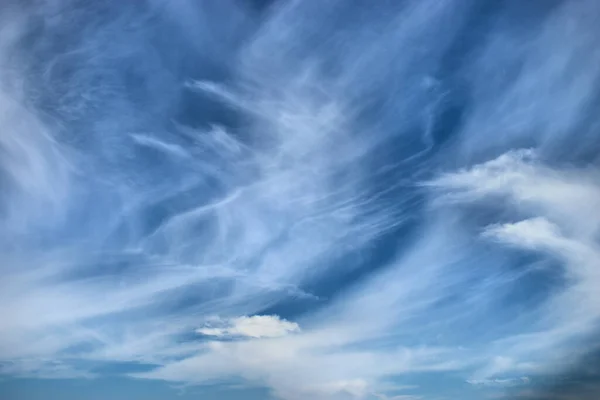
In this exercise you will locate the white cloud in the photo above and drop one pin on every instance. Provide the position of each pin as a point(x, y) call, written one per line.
point(507, 382)
point(355, 388)
point(257, 326)
point(562, 225)
point(568, 196)
point(300, 366)
point(533, 233)
point(260, 223)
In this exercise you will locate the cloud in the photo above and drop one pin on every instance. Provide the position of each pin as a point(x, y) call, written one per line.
point(300, 171)
point(319, 357)
point(508, 382)
point(532, 233)
point(561, 226)
point(257, 326)
point(400, 397)
point(567, 196)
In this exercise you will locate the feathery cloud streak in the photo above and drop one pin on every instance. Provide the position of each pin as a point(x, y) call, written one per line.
point(316, 198)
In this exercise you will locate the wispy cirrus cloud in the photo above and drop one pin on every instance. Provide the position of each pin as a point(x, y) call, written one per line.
point(311, 205)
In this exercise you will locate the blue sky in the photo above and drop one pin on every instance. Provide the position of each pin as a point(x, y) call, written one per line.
point(288, 200)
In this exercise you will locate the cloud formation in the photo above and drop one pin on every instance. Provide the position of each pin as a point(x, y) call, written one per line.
point(257, 326)
point(326, 200)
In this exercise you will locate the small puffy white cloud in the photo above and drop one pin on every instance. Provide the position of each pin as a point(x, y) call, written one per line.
point(257, 326)
point(531, 233)
point(542, 235)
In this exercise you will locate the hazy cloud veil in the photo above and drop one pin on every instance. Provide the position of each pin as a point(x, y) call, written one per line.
point(330, 199)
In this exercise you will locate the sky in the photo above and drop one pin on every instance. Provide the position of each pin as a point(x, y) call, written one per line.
point(289, 200)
